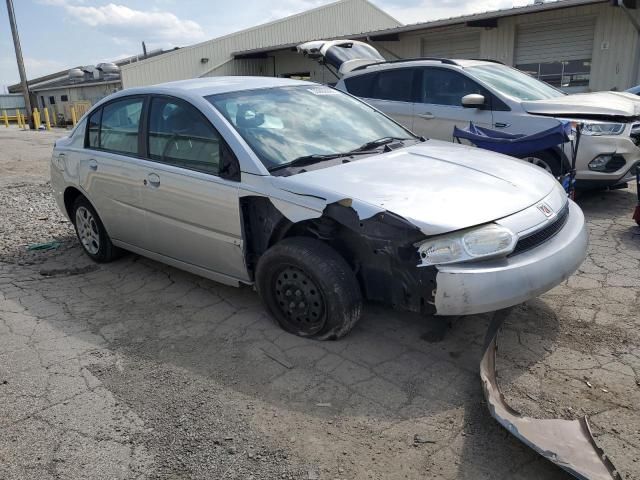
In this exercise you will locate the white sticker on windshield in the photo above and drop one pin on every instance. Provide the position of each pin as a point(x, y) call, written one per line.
point(323, 91)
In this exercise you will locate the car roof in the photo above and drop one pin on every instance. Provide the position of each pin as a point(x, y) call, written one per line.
point(203, 87)
point(421, 62)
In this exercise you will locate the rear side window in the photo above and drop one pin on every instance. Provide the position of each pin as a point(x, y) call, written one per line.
point(360, 85)
point(180, 135)
point(120, 125)
point(396, 84)
point(94, 129)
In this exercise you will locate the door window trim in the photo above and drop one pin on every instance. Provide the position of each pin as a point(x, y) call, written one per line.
point(234, 167)
point(145, 101)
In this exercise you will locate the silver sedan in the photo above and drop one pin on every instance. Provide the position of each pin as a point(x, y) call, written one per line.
point(315, 198)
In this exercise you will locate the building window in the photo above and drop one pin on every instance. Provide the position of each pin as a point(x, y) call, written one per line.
point(297, 76)
point(42, 104)
point(52, 100)
point(560, 74)
point(64, 98)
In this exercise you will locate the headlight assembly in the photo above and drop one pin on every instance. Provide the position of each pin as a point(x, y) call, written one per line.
point(595, 129)
point(477, 243)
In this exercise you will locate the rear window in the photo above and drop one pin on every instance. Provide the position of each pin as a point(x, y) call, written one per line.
point(360, 85)
point(394, 85)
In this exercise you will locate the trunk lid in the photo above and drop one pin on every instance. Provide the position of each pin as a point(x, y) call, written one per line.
point(344, 55)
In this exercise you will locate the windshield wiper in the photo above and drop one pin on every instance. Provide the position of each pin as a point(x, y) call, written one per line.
point(314, 158)
point(379, 143)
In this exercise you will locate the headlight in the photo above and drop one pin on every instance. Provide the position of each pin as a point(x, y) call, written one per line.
point(597, 128)
point(478, 243)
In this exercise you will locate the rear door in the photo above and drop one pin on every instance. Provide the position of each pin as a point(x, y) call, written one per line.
point(391, 91)
point(440, 108)
point(193, 215)
point(109, 170)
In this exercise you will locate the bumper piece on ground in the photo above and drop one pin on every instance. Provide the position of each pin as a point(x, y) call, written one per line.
point(567, 443)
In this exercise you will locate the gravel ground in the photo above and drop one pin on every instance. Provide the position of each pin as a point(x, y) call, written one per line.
point(137, 370)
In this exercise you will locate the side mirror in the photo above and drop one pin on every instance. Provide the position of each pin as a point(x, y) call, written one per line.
point(473, 100)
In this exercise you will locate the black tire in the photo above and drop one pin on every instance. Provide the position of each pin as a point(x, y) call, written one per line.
point(101, 251)
point(547, 160)
point(328, 302)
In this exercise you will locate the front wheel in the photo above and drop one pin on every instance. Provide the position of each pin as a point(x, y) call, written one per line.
point(309, 288)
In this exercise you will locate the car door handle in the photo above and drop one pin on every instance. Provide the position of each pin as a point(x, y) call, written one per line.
point(426, 115)
point(93, 165)
point(152, 179)
point(501, 125)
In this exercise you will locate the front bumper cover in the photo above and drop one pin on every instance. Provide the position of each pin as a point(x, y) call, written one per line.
point(567, 443)
point(479, 287)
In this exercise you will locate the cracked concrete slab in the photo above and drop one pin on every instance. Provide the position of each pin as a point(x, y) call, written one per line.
point(137, 370)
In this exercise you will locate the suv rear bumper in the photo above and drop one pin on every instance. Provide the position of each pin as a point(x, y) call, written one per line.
point(470, 288)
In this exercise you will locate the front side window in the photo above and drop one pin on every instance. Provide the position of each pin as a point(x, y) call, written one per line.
point(180, 135)
point(120, 125)
point(285, 123)
point(513, 83)
point(396, 84)
point(446, 87)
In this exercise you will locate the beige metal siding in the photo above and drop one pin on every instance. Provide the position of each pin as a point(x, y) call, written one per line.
point(458, 45)
point(555, 41)
point(337, 19)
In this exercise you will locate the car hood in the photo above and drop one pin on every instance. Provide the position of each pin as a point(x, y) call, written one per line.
point(597, 104)
point(437, 186)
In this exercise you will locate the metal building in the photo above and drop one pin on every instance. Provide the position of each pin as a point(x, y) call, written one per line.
point(215, 57)
point(577, 45)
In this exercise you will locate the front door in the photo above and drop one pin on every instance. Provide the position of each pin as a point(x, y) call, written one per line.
point(440, 108)
point(193, 215)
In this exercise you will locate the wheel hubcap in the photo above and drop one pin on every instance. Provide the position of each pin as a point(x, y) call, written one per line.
point(87, 230)
point(539, 163)
point(299, 300)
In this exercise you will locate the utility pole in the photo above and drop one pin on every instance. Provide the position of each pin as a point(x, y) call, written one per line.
point(16, 44)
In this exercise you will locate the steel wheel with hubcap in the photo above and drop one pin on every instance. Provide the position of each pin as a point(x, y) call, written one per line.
point(87, 230)
point(91, 232)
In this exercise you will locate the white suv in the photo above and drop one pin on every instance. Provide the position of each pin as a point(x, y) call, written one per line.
point(431, 96)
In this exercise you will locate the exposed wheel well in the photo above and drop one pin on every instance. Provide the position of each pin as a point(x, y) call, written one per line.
point(70, 195)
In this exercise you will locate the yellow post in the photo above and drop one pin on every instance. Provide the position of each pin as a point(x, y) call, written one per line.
point(5, 117)
point(46, 118)
point(24, 122)
point(18, 118)
point(36, 118)
point(74, 118)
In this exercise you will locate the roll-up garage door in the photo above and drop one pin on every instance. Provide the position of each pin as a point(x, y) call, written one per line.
point(556, 41)
point(463, 45)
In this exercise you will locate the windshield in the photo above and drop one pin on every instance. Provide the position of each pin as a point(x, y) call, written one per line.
point(514, 83)
point(286, 123)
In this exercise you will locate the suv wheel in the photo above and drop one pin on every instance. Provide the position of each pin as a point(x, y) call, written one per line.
point(309, 289)
point(546, 160)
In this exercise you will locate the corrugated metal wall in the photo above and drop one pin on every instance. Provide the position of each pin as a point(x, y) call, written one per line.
point(334, 20)
point(614, 49)
point(11, 102)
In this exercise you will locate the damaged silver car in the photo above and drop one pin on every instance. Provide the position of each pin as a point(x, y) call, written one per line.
point(314, 197)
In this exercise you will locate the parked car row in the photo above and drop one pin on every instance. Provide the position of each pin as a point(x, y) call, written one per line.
point(432, 96)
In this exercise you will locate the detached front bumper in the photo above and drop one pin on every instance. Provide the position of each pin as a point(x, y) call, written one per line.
point(470, 288)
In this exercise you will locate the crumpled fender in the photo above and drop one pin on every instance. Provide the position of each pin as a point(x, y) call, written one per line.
point(567, 443)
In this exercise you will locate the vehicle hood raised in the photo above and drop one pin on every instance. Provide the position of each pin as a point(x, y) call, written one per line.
point(437, 186)
point(597, 104)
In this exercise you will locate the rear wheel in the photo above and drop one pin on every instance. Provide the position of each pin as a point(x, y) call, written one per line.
point(309, 288)
point(91, 232)
point(546, 160)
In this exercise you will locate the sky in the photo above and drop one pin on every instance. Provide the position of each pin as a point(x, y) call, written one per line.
point(59, 34)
